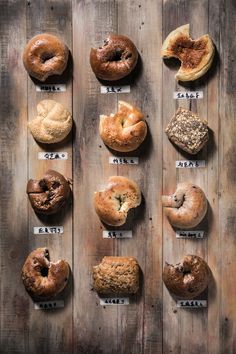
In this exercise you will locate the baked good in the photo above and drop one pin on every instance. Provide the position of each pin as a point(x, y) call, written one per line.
point(49, 194)
point(52, 124)
point(45, 55)
point(187, 279)
point(116, 275)
point(125, 130)
point(196, 56)
point(187, 131)
point(42, 278)
point(186, 207)
point(113, 203)
point(115, 59)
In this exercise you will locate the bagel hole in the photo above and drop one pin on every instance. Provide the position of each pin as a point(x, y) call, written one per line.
point(43, 185)
point(186, 272)
point(44, 272)
point(46, 56)
point(55, 185)
point(116, 55)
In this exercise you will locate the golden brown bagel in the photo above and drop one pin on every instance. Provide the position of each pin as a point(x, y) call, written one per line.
point(49, 194)
point(186, 207)
point(52, 124)
point(45, 55)
point(115, 59)
point(125, 130)
point(187, 279)
point(196, 56)
point(42, 278)
point(116, 275)
point(113, 203)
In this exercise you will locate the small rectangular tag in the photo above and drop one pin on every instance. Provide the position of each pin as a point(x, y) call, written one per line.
point(117, 234)
point(51, 88)
point(44, 230)
point(48, 305)
point(52, 155)
point(189, 234)
point(115, 160)
point(187, 95)
point(114, 301)
point(115, 89)
point(190, 163)
point(194, 304)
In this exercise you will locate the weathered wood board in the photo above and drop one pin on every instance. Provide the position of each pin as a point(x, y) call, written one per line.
point(151, 323)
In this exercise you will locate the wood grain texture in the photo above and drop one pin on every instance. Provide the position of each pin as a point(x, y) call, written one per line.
point(151, 323)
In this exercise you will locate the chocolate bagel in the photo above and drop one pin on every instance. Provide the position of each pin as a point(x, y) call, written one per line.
point(115, 59)
point(49, 194)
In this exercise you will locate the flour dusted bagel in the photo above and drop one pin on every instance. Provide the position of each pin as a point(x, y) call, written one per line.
point(125, 130)
point(196, 56)
point(49, 194)
point(186, 207)
point(115, 59)
point(42, 278)
point(52, 124)
point(187, 279)
point(45, 55)
point(113, 203)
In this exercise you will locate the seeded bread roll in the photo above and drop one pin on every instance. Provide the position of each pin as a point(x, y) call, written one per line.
point(187, 131)
point(116, 275)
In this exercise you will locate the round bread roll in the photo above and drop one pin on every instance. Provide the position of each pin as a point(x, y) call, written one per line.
point(49, 194)
point(42, 278)
point(115, 59)
point(45, 55)
point(125, 130)
point(186, 207)
point(196, 56)
point(52, 124)
point(113, 203)
point(187, 279)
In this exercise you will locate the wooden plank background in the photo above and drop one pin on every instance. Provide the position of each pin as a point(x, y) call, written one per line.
point(151, 323)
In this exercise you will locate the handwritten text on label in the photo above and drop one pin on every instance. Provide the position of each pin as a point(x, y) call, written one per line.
point(117, 234)
point(188, 95)
point(114, 301)
point(43, 230)
point(123, 160)
point(189, 234)
point(190, 163)
point(192, 303)
point(115, 89)
point(51, 88)
point(52, 155)
point(48, 305)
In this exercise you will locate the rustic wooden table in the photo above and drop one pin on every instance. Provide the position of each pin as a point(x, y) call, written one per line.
point(151, 323)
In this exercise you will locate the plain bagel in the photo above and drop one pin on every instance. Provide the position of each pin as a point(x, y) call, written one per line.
point(113, 203)
point(187, 279)
point(42, 278)
point(186, 207)
point(45, 55)
point(115, 59)
point(125, 130)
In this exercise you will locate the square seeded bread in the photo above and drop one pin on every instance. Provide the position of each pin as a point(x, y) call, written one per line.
point(187, 131)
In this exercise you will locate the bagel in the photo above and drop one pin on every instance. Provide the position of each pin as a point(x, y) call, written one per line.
point(115, 59)
point(186, 207)
point(49, 194)
point(196, 56)
point(42, 278)
point(116, 275)
point(52, 124)
point(113, 203)
point(125, 130)
point(187, 279)
point(45, 55)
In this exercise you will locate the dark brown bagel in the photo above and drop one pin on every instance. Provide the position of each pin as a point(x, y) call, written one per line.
point(42, 278)
point(187, 279)
point(45, 55)
point(49, 194)
point(115, 59)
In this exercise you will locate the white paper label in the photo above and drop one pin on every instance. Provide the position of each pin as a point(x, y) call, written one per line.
point(114, 160)
point(194, 304)
point(51, 88)
point(115, 89)
point(187, 95)
point(114, 301)
point(190, 163)
point(189, 234)
point(48, 305)
point(52, 155)
point(44, 230)
point(117, 234)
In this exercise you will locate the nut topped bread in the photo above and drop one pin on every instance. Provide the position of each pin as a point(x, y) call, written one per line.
point(187, 131)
